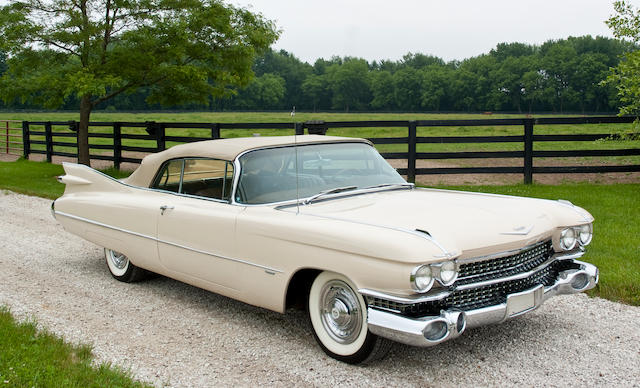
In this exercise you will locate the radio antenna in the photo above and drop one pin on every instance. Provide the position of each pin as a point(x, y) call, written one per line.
point(295, 146)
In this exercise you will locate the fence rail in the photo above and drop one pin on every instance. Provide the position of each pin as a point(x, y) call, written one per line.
point(52, 135)
point(10, 137)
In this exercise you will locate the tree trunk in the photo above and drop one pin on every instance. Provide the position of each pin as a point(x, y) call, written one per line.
point(83, 130)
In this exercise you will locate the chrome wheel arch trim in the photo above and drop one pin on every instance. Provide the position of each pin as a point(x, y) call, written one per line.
point(269, 270)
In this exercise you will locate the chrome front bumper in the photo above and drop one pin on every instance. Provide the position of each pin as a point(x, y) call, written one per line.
point(432, 330)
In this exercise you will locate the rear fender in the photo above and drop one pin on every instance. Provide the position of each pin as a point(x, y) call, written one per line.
point(80, 178)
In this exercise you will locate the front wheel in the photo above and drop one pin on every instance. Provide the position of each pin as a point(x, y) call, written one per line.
point(338, 315)
point(122, 269)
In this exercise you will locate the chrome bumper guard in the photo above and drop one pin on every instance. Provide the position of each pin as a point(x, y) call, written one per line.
point(432, 330)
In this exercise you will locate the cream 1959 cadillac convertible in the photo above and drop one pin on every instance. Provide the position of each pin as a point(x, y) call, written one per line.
point(325, 222)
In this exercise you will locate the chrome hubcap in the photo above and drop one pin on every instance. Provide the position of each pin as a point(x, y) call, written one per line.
point(118, 259)
point(340, 312)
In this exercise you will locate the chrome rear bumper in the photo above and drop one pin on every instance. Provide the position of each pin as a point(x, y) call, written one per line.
point(432, 330)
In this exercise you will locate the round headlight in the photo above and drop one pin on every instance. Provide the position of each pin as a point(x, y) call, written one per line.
point(421, 278)
point(568, 239)
point(585, 233)
point(448, 273)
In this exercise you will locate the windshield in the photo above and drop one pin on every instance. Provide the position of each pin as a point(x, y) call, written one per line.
point(269, 175)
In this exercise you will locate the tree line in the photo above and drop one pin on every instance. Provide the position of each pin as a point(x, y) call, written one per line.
point(558, 76)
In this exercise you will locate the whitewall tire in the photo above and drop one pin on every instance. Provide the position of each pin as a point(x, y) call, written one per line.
point(122, 269)
point(338, 315)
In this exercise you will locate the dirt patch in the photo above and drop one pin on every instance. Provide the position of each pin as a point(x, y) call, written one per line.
point(8, 158)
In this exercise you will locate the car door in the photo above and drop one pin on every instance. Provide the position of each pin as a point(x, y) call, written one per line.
point(196, 226)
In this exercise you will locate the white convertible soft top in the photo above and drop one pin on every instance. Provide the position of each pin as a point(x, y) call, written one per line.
point(224, 149)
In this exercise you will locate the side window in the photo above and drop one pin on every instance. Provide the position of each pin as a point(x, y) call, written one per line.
point(207, 178)
point(169, 177)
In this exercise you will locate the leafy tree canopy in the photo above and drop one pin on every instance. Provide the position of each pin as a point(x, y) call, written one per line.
point(94, 50)
point(626, 75)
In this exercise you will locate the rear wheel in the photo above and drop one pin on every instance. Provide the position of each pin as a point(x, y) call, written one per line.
point(338, 315)
point(122, 269)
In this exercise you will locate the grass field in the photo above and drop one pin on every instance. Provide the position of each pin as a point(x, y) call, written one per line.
point(615, 248)
point(284, 117)
point(36, 358)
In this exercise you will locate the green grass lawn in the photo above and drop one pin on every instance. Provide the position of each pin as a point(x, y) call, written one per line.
point(36, 358)
point(615, 248)
point(38, 178)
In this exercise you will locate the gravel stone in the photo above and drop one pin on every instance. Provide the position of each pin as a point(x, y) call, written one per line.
point(171, 334)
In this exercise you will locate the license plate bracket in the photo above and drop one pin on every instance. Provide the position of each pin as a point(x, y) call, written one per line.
point(521, 302)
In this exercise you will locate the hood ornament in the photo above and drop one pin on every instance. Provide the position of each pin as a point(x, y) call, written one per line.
point(520, 230)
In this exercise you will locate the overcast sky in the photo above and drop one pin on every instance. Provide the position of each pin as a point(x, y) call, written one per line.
point(450, 29)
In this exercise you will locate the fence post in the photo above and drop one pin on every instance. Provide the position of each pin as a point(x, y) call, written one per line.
point(26, 142)
point(117, 145)
point(528, 151)
point(411, 159)
point(299, 127)
point(73, 127)
point(160, 133)
point(8, 137)
point(215, 131)
point(48, 140)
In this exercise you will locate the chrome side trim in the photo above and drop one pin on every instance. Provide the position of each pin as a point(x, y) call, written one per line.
point(268, 269)
point(78, 218)
point(92, 222)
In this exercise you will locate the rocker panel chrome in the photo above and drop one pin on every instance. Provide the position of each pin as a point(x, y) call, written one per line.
point(78, 218)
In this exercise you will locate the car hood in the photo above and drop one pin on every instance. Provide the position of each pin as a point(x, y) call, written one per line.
point(463, 224)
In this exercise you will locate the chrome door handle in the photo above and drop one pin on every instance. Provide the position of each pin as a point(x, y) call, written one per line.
point(165, 207)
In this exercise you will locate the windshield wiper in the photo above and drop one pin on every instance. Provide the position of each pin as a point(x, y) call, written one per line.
point(410, 185)
point(330, 191)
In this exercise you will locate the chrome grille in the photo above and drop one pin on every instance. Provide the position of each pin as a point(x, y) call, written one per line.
point(501, 267)
point(486, 270)
point(475, 298)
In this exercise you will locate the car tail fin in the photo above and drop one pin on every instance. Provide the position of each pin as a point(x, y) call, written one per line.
point(79, 177)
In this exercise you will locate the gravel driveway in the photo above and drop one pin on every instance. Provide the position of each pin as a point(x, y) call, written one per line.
point(169, 333)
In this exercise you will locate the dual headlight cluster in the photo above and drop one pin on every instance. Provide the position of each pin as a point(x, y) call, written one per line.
point(423, 276)
point(576, 235)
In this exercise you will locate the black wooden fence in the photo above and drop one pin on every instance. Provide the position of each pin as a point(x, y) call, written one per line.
point(156, 133)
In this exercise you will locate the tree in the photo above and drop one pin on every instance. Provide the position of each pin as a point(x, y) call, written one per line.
point(265, 91)
point(94, 50)
point(435, 87)
point(291, 69)
point(382, 89)
point(626, 75)
point(3, 62)
point(349, 83)
point(408, 88)
point(315, 89)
